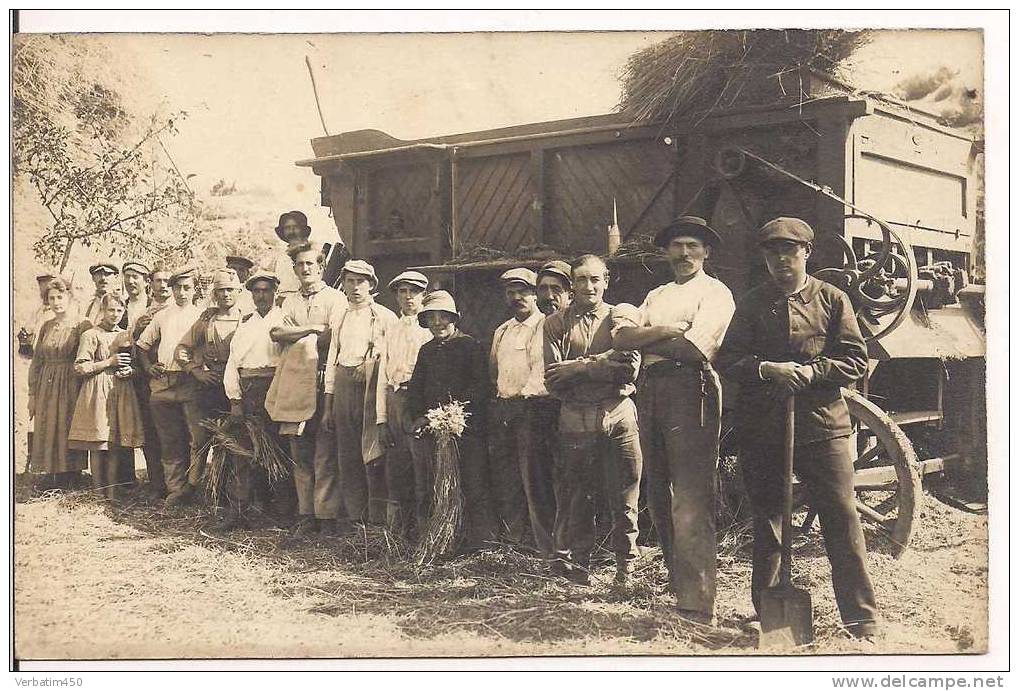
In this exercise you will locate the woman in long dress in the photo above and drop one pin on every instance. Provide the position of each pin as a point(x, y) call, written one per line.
point(107, 418)
point(53, 391)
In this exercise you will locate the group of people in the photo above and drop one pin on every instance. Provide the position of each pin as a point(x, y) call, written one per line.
point(575, 399)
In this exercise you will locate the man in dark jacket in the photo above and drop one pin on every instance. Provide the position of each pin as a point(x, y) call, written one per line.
point(799, 336)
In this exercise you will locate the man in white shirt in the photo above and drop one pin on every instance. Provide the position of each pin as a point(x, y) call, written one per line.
point(406, 472)
point(517, 368)
point(350, 393)
point(309, 316)
point(173, 389)
point(246, 379)
point(292, 228)
point(103, 277)
point(678, 329)
point(242, 266)
point(136, 277)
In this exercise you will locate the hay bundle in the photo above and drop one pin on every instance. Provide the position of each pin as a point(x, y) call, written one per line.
point(242, 439)
point(442, 532)
point(698, 72)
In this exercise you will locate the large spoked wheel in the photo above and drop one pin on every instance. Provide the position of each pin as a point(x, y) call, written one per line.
point(887, 477)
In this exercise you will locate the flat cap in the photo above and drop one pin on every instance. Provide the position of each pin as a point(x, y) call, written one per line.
point(414, 278)
point(225, 278)
point(521, 275)
point(361, 268)
point(239, 261)
point(557, 268)
point(137, 267)
point(262, 276)
point(189, 271)
point(437, 301)
point(692, 226)
point(104, 267)
point(785, 228)
point(45, 276)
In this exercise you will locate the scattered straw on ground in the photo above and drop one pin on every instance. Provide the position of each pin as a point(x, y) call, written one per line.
point(134, 581)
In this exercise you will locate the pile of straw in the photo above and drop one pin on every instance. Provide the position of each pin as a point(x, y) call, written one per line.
point(240, 439)
point(442, 532)
point(696, 73)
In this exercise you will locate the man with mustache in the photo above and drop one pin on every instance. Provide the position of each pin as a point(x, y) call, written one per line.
point(678, 329)
point(102, 276)
point(554, 286)
point(521, 479)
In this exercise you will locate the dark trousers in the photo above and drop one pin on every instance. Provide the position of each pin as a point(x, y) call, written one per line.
point(177, 421)
point(680, 459)
point(105, 467)
point(361, 486)
point(510, 452)
point(542, 488)
point(826, 470)
point(251, 483)
point(209, 403)
point(151, 450)
point(479, 522)
point(408, 484)
point(316, 474)
point(592, 436)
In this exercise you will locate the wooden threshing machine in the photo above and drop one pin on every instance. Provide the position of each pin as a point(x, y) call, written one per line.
point(890, 192)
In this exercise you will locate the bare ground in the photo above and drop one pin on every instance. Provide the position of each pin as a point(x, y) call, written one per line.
point(97, 582)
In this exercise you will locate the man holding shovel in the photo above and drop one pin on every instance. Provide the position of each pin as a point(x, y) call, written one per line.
point(797, 335)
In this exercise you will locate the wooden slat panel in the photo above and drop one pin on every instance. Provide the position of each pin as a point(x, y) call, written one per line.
point(401, 203)
point(493, 199)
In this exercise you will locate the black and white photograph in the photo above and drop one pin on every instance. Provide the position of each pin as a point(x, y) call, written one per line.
point(509, 345)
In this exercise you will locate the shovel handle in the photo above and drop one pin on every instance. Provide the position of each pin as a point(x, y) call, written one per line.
point(786, 566)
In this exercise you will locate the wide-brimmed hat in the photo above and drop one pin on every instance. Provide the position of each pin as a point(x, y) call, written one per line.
point(262, 276)
point(557, 268)
point(785, 228)
point(693, 226)
point(104, 267)
point(523, 276)
point(298, 216)
point(137, 267)
point(361, 268)
point(240, 261)
point(438, 301)
point(414, 278)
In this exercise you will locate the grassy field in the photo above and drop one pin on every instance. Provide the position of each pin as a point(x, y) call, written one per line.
point(95, 581)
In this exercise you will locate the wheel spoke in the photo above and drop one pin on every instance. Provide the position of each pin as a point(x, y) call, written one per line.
point(868, 455)
point(875, 517)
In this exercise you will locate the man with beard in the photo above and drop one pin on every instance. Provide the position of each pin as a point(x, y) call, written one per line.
point(521, 478)
point(597, 421)
point(204, 352)
point(678, 329)
point(172, 389)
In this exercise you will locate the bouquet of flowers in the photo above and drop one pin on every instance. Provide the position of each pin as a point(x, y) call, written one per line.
point(440, 536)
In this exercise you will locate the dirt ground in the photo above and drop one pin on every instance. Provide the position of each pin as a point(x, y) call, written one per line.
point(94, 582)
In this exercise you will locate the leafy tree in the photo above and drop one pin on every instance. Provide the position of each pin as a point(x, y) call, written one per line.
point(102, 173)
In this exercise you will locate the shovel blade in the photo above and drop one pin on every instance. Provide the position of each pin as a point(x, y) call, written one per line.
point(787, 618)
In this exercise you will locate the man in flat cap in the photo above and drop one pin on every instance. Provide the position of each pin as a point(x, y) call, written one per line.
point(597, 422)
point(350, 393)
point(296, 396)
point(405, 466)
point(292, 228)
point(521, 480)
point(554, 285)
point(103, 277)
point(249, 372)
point(798, 336)
point(172, 389)
point(678, 329)
point(242, 266)
point(135, 277)
point(205, 349)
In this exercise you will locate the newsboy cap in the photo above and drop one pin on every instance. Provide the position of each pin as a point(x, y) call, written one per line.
point(104, 267)
point(557, 268)
point(137, 267)
point(785, 228)
point(438, 301)
point(262, 276)
point(189, 271)
point(361, 268)
point(521, 275)
point(225, 278)
point(693, 226)
point(414, 278)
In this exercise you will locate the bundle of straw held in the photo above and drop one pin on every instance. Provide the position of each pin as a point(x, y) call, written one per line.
point(242, 439)
point(442, 532)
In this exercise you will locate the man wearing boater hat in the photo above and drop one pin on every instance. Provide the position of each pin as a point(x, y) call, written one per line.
point(678, 329)
point(350, 387)
point(405, 467)
point(797, 335)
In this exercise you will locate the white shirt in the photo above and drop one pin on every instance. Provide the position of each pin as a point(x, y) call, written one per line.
point(321, 305)
point(168, 327)
point(136, 308)
point(703, 304)
point(362, 340)
point(283, 267)
point(517, 357)
point(251, 348)
point(398, 355)
point(245, 302)
point(354, 335)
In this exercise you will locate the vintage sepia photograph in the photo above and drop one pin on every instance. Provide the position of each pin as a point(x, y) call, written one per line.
point(503, 344)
